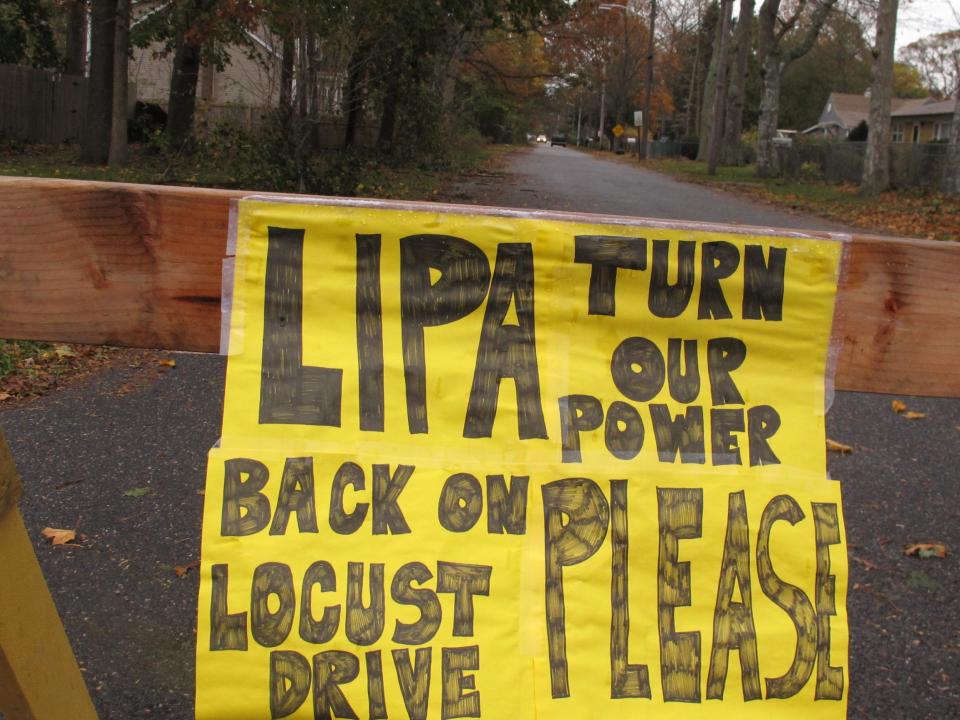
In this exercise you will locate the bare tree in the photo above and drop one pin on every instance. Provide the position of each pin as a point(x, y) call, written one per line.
point(96, 138)
point(709, 94)
point(951, 173)
point(876, 163)
point(937, 58)
point(720, 89)
point(772, 30)
point(736, 91)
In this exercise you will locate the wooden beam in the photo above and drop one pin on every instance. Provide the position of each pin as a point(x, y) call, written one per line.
point(139, 265)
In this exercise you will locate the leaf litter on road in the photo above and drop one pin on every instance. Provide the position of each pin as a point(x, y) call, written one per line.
point(900, 407)
point(138, 492)
point(59, 536)
point(926, 550)
point(838, 447)
point(182, 570)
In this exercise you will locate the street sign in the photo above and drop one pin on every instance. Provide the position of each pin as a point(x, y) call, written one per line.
point(618, 130)
point(638, 118)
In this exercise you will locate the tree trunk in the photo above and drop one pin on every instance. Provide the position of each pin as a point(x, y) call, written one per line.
point(286, 80)
point(720, 90)
point(353, 95)
point(313, 62)
point(691, 121)
point(733, 127)
point(96, 139)
point(706, 106)
point(183, 91)
point(768, 164)
point(121, 49)
point(76, 50)
point(391, 97)
point(876, 163)
point(951, 180)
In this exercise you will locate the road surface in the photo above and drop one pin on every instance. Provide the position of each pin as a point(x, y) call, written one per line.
point(86, 453)
point(557, 178)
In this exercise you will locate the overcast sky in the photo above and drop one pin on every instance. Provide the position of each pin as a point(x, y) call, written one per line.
point(919, 18)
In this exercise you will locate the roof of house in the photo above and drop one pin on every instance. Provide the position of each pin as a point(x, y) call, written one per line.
point(923, 106)
point(849, 109)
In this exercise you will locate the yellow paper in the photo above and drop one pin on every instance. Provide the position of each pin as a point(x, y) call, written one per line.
point(442, 599)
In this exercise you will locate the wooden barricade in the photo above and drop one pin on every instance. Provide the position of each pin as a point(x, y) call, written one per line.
point(139, 265)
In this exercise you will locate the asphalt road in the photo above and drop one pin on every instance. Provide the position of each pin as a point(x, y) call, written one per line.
point(556, 178)
point(87, 453)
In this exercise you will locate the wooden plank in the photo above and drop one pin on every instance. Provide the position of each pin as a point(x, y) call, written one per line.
point(111, 264)
point(39, 677)
point(140, 265)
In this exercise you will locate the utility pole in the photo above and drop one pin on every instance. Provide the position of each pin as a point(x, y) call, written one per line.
point(603, 97)
point(579, 112)
point(642, 150)
point(606, 7)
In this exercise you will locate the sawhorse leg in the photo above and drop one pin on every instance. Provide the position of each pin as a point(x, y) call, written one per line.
point(39, 677)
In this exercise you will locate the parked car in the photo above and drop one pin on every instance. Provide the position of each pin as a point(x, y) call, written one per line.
point(541, 138)
point(560, 140)
point(784, 138)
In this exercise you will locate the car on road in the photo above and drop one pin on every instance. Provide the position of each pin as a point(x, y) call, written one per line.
point(541, 138)
point(560, 140)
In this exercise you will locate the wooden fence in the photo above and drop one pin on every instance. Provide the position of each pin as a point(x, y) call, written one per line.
point(41, 106)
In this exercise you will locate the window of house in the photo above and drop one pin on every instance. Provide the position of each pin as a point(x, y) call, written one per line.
point(940, 131)
point(897, 132)
point(916, 134)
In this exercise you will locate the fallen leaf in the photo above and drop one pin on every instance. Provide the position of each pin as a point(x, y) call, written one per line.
point(835, 446)
point(138, 492)
point(64, 351)
point(898, 406)
point(6, 396)
point(182, 570)
point(911, 415)
point(926, 550)
point(59, 536)
point(167, 362)
point(957, 428)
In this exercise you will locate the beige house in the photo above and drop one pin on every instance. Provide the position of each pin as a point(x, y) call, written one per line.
point(913, 120)
point(250, 81)
point(923, 121)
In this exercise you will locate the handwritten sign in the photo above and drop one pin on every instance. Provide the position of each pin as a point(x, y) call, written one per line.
point(486, 465)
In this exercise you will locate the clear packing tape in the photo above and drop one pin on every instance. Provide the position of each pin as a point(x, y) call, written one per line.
point(521, 464)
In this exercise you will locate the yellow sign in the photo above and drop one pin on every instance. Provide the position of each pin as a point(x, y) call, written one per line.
point(618, 130)
point(488, 465)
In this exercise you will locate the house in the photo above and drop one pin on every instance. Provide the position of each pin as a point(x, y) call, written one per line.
point(913, 120)
point(842, 113)
point(248, 84)
point(251, 79)
point(922, 121)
